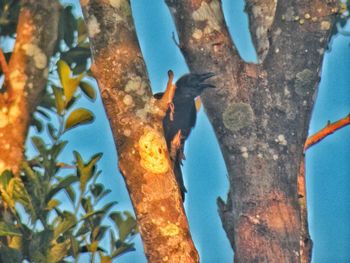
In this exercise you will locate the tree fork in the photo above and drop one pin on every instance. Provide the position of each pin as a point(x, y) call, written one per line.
point(260, 114)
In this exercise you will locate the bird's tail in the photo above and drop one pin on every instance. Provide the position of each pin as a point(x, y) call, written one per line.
point(179, 178)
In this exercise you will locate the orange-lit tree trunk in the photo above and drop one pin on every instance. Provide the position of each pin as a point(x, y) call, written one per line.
point(26, 77)
point(260, 114)
point(136, 121)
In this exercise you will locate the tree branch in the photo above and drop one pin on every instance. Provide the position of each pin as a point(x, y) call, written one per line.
point(259, 113)
point(261, 15)
point(4, 68)
point(27, 76)
point(136, 123)
point(323, 133)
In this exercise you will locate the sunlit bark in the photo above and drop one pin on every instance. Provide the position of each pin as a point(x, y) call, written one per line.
point(260, 114)
point(26, 77)
point(136, 121)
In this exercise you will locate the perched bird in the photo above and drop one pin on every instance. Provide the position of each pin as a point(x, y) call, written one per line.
point(181, 118)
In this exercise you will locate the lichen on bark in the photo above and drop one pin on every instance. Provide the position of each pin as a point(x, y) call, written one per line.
point(136, 122)
point(259, 115)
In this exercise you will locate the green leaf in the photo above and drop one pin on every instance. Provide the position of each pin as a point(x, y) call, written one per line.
point(112, 239)
point(9, 230)
point(96, 190)
point(32, 176)
point(78, 117)
point(63, 184)
point(82, 30)
point(75, 246)
point(87, 171)
point(52, 204)
point(79, 68)
point(127, 226)
point(59, 99)
point(52, 131)
point(122, 248)
point(77, 55)
point(69, 84)
point(82, 230)
point(57, 149)
point(19, 193)
point(67, 222)
point(88, 90)
point(37, 124)
point(43, 114)
point(86, 203)
point(71, 194)
point(59, 251)
point(71, 103)
point(47, 101)
point(97, 215)
point(5, 178)
point(39, 145)
point(79, 161)
point(108, 206)
point(99, 232)
point(70, 25)
point(105, 259)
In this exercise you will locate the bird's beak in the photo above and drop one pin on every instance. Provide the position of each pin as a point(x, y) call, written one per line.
point(206, 76)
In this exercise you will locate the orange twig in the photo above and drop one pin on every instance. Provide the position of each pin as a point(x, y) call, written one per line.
point(170, 89)
point(329, 129)
point(4, 67)
point(175, 145)
point(167, 98)
point(66, 166)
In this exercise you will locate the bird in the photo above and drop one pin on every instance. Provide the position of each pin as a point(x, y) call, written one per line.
point(180, 119)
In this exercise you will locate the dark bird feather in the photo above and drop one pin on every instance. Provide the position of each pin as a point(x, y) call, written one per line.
point(188, 87)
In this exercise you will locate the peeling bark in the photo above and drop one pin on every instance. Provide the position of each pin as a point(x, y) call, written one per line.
point(136, 121)
point(260, 114)
point(28, 70)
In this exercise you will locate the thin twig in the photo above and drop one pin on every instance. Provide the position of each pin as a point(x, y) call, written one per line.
point(175, 41)
point(4, 67)
point(329, 129)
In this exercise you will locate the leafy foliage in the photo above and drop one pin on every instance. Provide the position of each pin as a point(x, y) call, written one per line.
point(342, 16)
point(9, 10)
point(35, 225)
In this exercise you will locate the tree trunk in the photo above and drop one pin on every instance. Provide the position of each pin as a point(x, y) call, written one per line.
point(26, 77)
point(136, 121)
point(260, 114)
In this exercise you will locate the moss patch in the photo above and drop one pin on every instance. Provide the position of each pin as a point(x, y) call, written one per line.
point(304, 81)
point(238, 116)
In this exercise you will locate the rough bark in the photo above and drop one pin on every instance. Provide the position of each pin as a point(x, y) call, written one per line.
point(136, 122)
point(27, 76)
point(260, 114)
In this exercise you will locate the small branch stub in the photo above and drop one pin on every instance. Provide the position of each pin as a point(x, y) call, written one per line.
point(166, 101)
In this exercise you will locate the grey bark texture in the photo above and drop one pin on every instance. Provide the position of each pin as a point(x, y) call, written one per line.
point(260, 114)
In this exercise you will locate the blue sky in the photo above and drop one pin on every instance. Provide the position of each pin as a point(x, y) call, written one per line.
point(205, 174)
